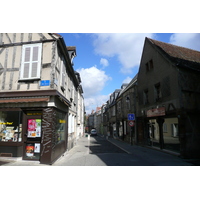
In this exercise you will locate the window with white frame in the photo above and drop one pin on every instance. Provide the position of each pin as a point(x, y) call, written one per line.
point(31, 61)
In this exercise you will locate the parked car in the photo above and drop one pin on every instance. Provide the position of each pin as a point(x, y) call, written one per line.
point(93, 132)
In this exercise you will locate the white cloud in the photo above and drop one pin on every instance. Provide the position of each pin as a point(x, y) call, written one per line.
point(93, 81)
point(104, 62)
point(93, 102)
point(126, 46)
point(127, 80)
point(188, 40)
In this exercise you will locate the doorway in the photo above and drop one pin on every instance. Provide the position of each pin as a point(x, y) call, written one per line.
point(32, 133)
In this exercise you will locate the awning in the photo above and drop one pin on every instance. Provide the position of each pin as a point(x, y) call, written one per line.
point(24, 100)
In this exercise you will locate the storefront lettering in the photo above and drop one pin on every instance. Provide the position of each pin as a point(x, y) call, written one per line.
point(6, 123)
point(62, 121)
point(34, 113)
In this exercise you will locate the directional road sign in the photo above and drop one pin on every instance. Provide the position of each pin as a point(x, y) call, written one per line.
point(131, 116)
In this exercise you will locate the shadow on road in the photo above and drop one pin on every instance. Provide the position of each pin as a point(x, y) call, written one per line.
point(109, 153)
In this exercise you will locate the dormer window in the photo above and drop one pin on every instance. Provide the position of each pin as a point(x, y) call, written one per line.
point(72, 53)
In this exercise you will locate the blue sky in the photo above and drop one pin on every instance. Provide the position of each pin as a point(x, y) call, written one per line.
point(106, 61)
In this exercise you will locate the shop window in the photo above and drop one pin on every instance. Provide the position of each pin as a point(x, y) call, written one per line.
point(165, 128)
point(174, 130)
point(10, 126)
point(60, 127)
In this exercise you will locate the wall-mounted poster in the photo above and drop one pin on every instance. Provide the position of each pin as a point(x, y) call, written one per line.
point(34, 128)
point(37, 148)
point(30, 150)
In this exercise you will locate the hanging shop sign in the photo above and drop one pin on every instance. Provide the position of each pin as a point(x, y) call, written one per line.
point(156, 112)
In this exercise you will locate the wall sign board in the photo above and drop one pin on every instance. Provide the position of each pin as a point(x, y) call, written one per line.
point(45, 83)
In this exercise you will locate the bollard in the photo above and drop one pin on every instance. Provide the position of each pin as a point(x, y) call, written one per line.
point(88, 137)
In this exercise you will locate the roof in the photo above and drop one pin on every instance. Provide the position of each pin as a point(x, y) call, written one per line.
point(178, 52)
point(132, 82)
point(180, 55)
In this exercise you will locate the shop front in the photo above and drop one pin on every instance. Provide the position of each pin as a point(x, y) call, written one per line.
point(162, 130)
point(34, 132)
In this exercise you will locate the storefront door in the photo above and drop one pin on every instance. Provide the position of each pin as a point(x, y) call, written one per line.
point(32, 135)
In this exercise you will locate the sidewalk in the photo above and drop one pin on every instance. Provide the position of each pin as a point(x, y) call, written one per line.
point(155, 154)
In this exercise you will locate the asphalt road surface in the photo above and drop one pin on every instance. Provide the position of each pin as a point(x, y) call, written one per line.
point(98, 151)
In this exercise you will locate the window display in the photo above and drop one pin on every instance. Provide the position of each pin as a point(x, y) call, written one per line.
point(60, 127)
point(10, 126)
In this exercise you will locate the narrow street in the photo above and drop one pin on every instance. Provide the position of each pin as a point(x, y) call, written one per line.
point(100, 151)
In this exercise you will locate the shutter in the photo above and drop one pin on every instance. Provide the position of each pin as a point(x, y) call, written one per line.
point(35, 62)
point(34, 70)
point(27, 54)
point(31, 61)
point(26, 62)
point(35, 53)
point(63, 75)
point(26, 70)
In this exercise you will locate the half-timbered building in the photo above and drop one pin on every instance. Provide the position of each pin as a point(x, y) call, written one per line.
point(39, 93)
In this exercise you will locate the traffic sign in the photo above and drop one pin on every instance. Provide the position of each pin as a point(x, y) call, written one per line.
point(131, 116)
point(131, 123)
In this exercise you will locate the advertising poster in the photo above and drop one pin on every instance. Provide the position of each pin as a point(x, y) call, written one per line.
point(30, 150)
point(37, 148)
point(34, 128)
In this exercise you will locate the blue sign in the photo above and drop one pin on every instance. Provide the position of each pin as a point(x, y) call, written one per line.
point(131, 116)
point(45, 83)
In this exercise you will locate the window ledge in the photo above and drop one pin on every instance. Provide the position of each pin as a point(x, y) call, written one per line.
point(29, 80)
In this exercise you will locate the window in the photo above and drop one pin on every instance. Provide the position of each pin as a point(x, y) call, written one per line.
point(145, 97)
point(127, 102)
point(113, 111)
point(10, 126)
point(119, 107)
point(63, 72)
point(31, 61)
point(149, 65)
point(157, 91)
point(174, 130)
point(60, 127)
point(165, 128)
